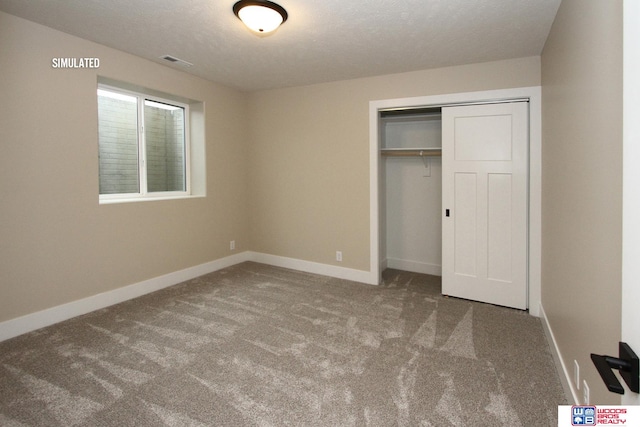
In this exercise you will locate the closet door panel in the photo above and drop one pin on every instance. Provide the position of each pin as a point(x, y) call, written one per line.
point(483, 138)
point(465, 201)
point(499, 227)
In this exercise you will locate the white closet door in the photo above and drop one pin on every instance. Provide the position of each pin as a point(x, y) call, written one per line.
point(484, 201)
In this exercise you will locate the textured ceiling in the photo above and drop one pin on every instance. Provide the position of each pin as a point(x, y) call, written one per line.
point(323, 40)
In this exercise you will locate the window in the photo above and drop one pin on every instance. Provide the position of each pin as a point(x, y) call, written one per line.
point(143, 146)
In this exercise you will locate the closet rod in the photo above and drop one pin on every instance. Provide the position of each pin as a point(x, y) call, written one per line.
point(411, 153)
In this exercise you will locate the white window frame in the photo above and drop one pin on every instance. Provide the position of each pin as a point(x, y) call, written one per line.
point(143, 193)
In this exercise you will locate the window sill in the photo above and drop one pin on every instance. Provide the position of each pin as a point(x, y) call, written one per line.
point(111, 201)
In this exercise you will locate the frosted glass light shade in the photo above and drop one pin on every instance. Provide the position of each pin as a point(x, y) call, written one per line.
point(260, 16)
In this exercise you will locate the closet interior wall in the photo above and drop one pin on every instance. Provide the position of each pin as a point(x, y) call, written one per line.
point(412, 193)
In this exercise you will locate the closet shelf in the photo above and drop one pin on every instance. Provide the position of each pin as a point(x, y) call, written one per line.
point(411, 152)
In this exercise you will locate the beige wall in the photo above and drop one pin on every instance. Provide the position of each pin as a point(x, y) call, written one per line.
point(56, 243)
point(582, 184)
point(309, 156)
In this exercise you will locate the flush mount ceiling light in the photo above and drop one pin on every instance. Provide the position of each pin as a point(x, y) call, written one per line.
point(260, 16)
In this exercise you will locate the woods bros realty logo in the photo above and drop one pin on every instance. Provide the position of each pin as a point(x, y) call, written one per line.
point(75, 62)
point(591, 415)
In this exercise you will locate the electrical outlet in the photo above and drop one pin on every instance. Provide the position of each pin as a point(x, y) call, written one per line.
point(339, 256)
point(232, 245)
point(585, 393)
point(576, 374)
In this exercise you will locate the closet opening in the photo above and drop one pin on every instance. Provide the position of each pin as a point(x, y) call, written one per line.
point(411, 189)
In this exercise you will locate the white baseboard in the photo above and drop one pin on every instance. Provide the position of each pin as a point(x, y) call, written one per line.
point(316, 268)
point(569, 390)
point(31, 322)
point(414, 266)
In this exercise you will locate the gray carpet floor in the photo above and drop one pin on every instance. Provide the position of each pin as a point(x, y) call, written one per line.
point(266, 346)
